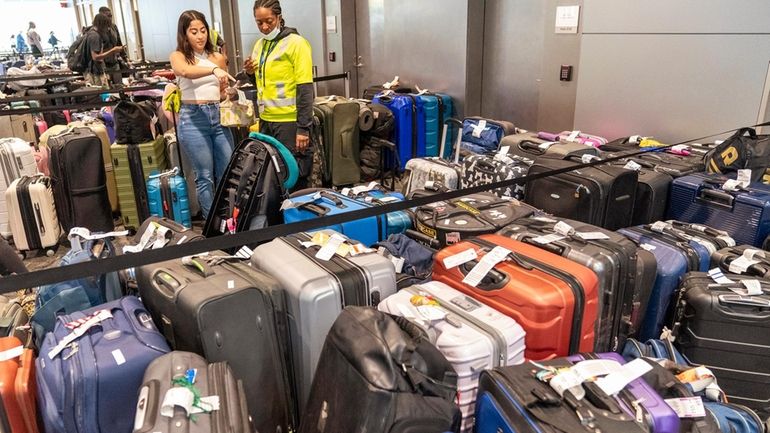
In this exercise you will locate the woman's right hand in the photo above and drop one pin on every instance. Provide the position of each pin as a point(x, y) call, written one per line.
point(248, 66)
point(223, 76)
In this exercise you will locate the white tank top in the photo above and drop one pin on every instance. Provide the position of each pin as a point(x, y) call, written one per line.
point(203, 88)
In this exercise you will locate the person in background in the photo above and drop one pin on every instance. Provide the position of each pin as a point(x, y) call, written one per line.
point(34, 40)
point(202, 78)
point(54, 42)
point(21, 46)
point(95, 71)
point(218, 41)
point(113, 64)
point(281, 66)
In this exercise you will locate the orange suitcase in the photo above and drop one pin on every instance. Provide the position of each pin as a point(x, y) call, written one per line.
point(17, 386)
point(553, 298)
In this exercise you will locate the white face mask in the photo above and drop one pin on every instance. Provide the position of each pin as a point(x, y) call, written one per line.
point(273, 34)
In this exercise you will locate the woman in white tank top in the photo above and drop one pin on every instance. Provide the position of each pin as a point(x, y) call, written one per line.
point(202, 77)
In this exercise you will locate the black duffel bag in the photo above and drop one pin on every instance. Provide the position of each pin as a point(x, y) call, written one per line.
point(380, 373)
point(134, 122)
point(742, 150)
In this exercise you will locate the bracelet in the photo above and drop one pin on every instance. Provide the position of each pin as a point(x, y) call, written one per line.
point(215, 68)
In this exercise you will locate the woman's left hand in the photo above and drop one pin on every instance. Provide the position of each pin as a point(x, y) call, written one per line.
point(302, 143)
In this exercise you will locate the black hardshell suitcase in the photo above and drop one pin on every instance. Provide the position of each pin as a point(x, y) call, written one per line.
point(625, 272)
point(250, 193)
point(600, 195)
point(216, 379)
point(651, 192)
point(472, 215)
point(228, 311)
point(79, 181)
point(729, 333)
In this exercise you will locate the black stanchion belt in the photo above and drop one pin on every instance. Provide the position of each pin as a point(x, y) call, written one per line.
point(79, 270)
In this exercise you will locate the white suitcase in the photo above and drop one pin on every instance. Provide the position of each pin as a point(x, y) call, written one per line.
point(16, 160)
point(472, 336)
point(32, 214)
point(420, 171)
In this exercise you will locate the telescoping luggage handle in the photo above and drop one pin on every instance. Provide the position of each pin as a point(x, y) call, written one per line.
point(458, 141)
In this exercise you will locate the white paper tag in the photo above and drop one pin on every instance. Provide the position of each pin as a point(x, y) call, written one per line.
point(718, 277)
point(573, 136)
point(503, 150)
point(744, 177)
point(547, 239)
point(288, 204)
point(119, 358)
point(592, 368)
point(659, 226)
point(687, 407)
point(728, 240)
point(345, 191)
point(750, 253)
point(364, 188)
point(327, 251)
point(546, 145)
point(431, 312)
point(753, 287)
point(587, 157)
point(589, 236)
point(230, 284)
point(741, 264)
point(388, 199)
point(632, 165)
point(460, 258)
point(478, 129)
point(544, 219)
point(648, 247)
point(482, 268)
point(398, 263)
point(563, 228)
point(11, 353)
point(680, 148)
point(634, 139)
point(568, 380)
point(731, 185)
point(616, 381)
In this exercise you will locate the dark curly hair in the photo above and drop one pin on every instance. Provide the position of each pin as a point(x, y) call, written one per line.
point(273, 5)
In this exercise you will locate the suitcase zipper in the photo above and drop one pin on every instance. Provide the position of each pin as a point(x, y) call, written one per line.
point(572, 282)
point(136, 171)
point(165, 198)
point(500, 350)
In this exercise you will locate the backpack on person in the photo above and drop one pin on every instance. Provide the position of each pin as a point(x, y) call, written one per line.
point(78, 55)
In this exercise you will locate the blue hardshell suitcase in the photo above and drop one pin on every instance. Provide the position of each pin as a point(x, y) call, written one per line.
point(409, 115)
point(430, 127)
point(673, 262)
point(698, 253)
point(734, 418)
point(396, 222)
point(167, 197)
point(368, 231)
point(91, 385)
point(445, 111)
point(744, 214)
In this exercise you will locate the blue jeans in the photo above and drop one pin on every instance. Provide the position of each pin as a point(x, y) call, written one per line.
point(208, 145)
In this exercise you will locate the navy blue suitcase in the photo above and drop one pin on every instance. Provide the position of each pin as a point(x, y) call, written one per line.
point(91, 384)
point(167, 197)
point(368, 231)
point(484, 135)
point(735, 418)
point(673, 263)
point(409, 114)
point(744, 214)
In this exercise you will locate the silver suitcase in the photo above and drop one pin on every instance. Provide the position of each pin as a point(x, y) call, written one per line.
point(16, 160)
point(472, 336)
point(420, 171)
point(318, 290)
point(32, 214)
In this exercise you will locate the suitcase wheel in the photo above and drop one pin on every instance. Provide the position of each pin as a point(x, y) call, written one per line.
point(50, 252)
point(22, 255)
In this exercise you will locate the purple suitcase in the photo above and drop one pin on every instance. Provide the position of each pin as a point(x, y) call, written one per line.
point(657, 413)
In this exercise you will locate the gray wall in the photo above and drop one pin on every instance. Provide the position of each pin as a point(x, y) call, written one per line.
point(158, 21)
point(674, 70)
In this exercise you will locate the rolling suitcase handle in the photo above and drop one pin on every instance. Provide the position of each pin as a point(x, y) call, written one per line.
point(458, 141)
point(716, 197)
point(744, 301)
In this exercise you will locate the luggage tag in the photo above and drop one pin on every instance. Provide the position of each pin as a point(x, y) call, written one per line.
point(742, 263)
point(680, 149)
point(12, 353)
point(327, 251)
point(479, 128)
point(482, 268)
point(720, 278)
point(79, 327)
point(421, 92)
point(587, 157)
point(173, 172)
point(687, 407)
point(182, 396)
point(546, 145)
point(632, 165)
point(362, 188)
point(460, 258)
point(572, 378)
point(547, 239)
point(590, 236)
point(389, 84)
point(572, 136)
point(751, 288)
point(616, 381)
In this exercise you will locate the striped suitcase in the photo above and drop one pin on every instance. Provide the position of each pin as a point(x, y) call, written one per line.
point(16, 160)
point(32, 214)
point(133, 165)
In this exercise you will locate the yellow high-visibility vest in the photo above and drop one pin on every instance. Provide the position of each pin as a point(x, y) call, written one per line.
point(281, 66)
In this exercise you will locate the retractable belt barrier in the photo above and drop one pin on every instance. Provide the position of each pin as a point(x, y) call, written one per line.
point(110, 264)
point(71, 107)
point(149, 67)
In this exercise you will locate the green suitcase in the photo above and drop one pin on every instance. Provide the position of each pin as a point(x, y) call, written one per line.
point(339, 120)
point(133, 164)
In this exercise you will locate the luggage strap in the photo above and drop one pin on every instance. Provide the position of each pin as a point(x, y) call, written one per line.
point(79, 328)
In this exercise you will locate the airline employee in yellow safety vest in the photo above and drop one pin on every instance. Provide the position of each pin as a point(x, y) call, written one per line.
point(282, 69)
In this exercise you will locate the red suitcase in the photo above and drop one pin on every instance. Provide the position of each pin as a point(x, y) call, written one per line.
point(554, 299)
point(17, 387)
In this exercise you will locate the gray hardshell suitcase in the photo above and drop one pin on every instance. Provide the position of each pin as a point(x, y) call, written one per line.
point(176, 369)
point(420, 171)
point(227, 311)
point(16, 160)
point(318, 291)
point(622, 268)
